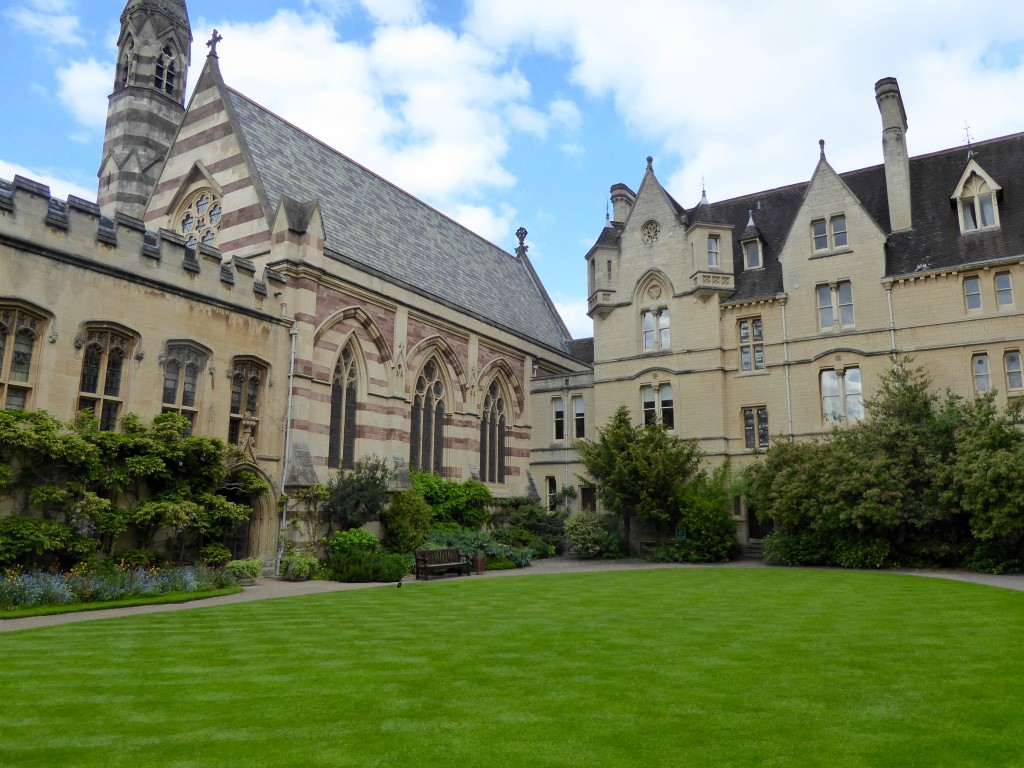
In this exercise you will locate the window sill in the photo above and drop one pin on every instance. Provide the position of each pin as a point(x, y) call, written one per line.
point(756, 372)
point(833, 252)
point(979, 230)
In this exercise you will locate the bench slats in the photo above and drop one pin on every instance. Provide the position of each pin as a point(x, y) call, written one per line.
point(430, 561)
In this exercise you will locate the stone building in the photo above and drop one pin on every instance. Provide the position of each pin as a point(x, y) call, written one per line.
point(279, 294)
point(771, 316)
point(285, 298)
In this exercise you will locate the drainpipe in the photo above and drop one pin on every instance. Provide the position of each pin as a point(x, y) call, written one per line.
point(294, 333)
point(783, 299)
point(892, 323)
point(570, 423)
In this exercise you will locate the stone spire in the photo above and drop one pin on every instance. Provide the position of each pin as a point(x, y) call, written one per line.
point(154, 51)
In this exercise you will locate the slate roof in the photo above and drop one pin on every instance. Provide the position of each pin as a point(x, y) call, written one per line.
point(935, 239)
point(380, 228)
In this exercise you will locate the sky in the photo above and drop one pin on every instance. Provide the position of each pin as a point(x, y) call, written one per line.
point(509, 113)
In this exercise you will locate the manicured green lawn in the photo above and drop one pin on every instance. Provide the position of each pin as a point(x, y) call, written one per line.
point(683, 667)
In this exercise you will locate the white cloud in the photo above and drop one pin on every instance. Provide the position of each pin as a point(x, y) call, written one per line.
point(395, 11)
point(59, 188)
point(48, 19)
point(82, 89)
point(741, 92)
point(573, 310)
point(421, 105)
point(497, 226)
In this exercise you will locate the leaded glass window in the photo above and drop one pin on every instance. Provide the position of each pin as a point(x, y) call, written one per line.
point(341, 450)
point(183, 364)
point(247, 377)
point(492, 436)
point(426, 432)
point(199, 219)
point(102, 380)
point(19, 335)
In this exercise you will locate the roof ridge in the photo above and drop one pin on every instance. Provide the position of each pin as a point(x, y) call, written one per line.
point(369, 171)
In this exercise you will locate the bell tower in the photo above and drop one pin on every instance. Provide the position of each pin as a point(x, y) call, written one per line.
point(147, 102)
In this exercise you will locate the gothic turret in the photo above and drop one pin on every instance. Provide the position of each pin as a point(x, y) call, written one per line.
point(147, 103)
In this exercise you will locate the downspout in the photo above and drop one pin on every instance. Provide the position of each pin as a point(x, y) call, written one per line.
point(783, 298)
point(570, 421)
point(892, 323)
point(294, 333)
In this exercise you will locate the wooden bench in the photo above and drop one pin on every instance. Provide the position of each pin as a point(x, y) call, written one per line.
point(434, 561)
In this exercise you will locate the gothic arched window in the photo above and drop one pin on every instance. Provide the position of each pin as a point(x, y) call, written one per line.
point(247, 378)
point(199, 219)
point(183, 364)
point(341, 450)
point(126, 64)
point(166, 74)
point(19, 333)
point(492, 436)
point(426, 433)
point(103, 363)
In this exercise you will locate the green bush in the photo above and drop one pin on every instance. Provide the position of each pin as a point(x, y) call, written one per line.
point(548, 527)
point(590, 535)
point(251, 568)
point(298, 567)
point(355, 539)
point(30, 542)
point(856, 553)
point(477, 542)
point(406, 521)
point(464, 503)
point(214, 554)
point(360, 566)
point(500, 564)
point(803, 548)
point(147, 558)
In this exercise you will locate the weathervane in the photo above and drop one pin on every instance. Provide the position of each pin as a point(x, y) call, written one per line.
point(967, 133)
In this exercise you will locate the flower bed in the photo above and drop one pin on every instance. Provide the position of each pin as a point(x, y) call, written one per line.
point(29, 590)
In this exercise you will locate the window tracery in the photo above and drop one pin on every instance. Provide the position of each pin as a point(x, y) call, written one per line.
point(100, 386)
point(426, 432)
point(183, 365)
point(341, 450)
point(492, 435)
point(199, 219)
point(19, 334)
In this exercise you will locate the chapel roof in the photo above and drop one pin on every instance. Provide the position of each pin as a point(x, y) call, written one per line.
point(378, 227)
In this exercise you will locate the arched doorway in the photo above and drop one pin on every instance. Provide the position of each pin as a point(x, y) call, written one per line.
point(257, 536)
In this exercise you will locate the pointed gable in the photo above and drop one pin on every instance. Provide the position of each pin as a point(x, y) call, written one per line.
point(383, 230)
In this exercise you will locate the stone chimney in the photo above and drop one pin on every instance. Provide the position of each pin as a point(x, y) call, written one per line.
point(622, 202)
point(894, 149)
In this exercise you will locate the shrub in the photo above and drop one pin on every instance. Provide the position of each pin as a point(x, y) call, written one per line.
point(360, 566)
point(406, 521)
point(855, 553)
point(251, 568)
point(29, 541)
point(547, 526)
point(147, 558)
point(214, 555)
point(500, 564)
point(356, 496)
point(476, 542)
point(803, 548)
point(590, 536)
point(352, 540)
point(451, 502)
point(299, 567)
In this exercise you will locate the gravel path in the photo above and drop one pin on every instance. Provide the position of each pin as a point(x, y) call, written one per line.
point(267, 589)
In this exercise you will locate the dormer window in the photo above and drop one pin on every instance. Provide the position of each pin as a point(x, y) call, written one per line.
point(977, 200)
point(752, 254)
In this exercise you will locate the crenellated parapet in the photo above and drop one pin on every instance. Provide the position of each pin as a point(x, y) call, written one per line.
point(75, 231)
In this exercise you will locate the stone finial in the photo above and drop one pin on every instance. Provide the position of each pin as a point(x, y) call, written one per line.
point(521, 234)
point(212, 43)
point(821, 146)
point(650, 163)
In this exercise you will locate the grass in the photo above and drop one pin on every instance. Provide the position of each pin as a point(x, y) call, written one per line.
point(128, 602)
point(701, 667)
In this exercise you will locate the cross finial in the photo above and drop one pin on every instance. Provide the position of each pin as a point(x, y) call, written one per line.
point(212, 43)
point(521, 234)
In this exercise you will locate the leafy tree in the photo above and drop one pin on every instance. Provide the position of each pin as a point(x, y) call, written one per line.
point(406, 521)
point(641, 472)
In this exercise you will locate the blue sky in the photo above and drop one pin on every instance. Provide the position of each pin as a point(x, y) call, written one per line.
point(508, 113)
